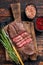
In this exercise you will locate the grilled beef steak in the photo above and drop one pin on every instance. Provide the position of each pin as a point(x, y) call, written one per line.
point(21, 39)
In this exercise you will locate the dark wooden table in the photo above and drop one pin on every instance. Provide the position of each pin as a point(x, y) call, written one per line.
point(6, 16)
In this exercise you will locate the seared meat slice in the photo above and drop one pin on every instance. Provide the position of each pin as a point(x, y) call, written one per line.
point(21, 39)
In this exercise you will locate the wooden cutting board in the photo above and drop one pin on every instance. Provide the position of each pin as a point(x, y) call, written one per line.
point(28, 25)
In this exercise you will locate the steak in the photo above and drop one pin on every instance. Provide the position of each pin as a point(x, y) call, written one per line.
point(21, 39)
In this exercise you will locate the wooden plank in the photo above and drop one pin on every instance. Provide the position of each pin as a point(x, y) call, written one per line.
point(33, 34)
point(39, 7)
point(7, 64)
point(34, 57)
point(40, 44)
point(41, 63)
point(2, 53)
point(28, 27)
point(4, 12)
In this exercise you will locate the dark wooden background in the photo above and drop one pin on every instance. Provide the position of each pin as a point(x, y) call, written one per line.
point(6, 16)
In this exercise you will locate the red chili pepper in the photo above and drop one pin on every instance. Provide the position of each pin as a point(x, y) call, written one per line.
point(39, 23)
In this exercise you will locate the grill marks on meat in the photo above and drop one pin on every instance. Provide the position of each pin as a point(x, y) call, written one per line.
point(22, 39)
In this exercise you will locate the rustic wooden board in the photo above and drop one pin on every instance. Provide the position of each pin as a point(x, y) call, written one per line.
point(28, 28)
point(16, 10)
point(26, 25)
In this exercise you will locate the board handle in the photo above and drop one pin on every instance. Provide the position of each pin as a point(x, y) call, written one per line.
point(16, 10)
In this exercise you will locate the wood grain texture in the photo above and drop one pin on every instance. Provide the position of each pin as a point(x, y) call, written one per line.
point(41, 63)
point(4, 12)
point(29, 26)
point(34, 57)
